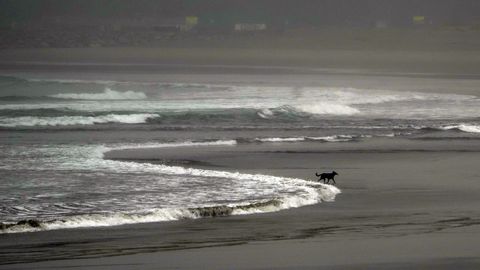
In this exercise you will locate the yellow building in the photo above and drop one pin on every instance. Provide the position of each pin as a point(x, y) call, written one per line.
point(418, 20)
point(190, 22)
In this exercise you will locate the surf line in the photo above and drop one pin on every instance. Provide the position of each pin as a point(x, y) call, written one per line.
point(310, 192)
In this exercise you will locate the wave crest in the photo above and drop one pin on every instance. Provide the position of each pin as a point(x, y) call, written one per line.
point(463, 127)
point(31, 121)
point(108, 94)
point(329, 108)
point(322, 193)
point(304, 110)
point(334, 138)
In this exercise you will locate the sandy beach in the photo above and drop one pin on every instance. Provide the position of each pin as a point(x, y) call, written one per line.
point(404, 203)
point(179, 134)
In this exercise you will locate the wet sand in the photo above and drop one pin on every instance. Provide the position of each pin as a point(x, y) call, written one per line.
point(167, 60)
point(445, 69)
point(385, 51)
point(405, 203)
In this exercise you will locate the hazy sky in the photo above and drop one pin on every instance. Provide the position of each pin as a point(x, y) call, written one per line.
point(300, 11)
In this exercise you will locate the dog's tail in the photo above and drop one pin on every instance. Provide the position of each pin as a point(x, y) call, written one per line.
point(316, 174)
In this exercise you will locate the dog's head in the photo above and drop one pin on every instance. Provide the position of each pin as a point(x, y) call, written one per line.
point(334, 173)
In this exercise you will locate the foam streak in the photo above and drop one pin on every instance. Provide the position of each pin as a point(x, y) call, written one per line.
point(30, 121)
point(108, 94)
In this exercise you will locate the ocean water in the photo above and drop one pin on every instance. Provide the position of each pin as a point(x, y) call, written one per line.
point(54, 134)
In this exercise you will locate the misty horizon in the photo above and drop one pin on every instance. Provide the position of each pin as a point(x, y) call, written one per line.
point(304, 12)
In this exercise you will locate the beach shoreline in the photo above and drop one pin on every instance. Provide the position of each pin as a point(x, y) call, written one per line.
point(407, 201)
point(394, 208)
point(181, 134)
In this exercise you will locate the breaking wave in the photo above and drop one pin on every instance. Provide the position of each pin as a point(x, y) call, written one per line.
point(29, 116)
point(329, 109)
point(169, 145)
point(468, 128)
point(304, 110)
point(204, 101)
point(108, 94)
point(315, 193)
point(334, 138)
point(463, 127)
point(320, 192)
point(272, 193)
point(31, 121)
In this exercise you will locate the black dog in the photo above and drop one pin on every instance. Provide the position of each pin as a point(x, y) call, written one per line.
point(326, 177)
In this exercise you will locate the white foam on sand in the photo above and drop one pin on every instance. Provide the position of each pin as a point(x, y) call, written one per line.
point(312, 193)
point(289, 192)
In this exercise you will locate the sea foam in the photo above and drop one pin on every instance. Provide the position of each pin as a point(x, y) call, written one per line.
point(464, 127)
point(281, 192)
point(315, 193)
point(333, 138)
point(108, 94)
point(31, 121)
point(329, 108)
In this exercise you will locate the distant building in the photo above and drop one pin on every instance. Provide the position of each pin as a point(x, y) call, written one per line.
point(177, 24)
point(250, 27)
point(190, 23)
point(418, 20)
